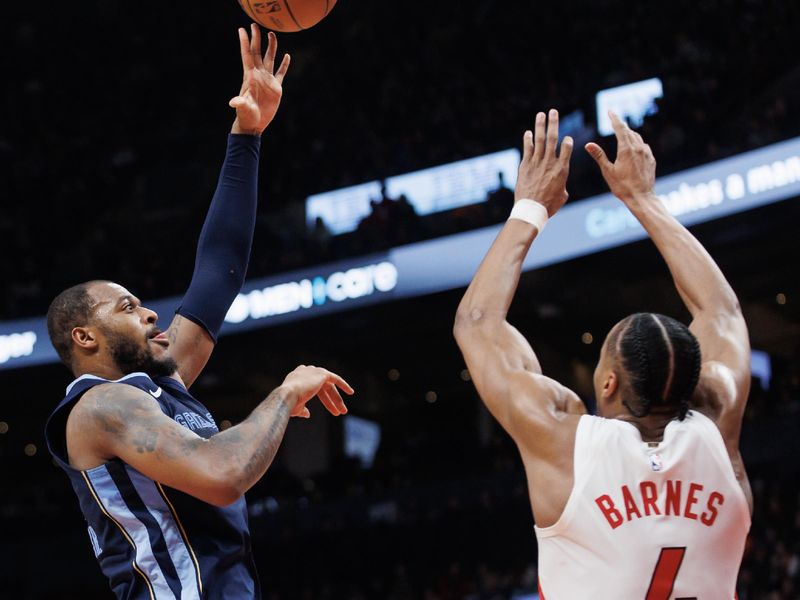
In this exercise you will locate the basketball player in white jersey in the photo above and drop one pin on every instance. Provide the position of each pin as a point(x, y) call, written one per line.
point(649, 499)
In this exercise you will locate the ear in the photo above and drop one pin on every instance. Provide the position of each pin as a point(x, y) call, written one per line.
point(84, 337)
point(610, 385)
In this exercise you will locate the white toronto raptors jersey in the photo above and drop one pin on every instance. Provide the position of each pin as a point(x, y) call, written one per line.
point(647, 521)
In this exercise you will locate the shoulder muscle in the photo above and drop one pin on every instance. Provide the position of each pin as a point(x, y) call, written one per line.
point(105, 414)
point(540, 407)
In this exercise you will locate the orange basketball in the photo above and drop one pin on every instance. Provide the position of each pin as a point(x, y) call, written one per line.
point(287, 15)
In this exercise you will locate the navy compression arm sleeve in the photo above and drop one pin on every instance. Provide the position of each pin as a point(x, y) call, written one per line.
point(226, 238)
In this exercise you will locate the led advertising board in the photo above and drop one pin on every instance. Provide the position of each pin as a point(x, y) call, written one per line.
point(701, 194)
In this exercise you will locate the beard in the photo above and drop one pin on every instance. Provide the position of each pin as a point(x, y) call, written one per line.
point(130, 357)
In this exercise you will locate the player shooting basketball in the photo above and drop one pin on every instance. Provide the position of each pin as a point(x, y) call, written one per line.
point(649, 499)
point(161, 488)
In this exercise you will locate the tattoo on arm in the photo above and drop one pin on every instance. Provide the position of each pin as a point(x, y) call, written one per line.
point(272, 419)
point(190, 345)
point(192, 335)
point(133, 422)
point(172, 331)
point(123, 414)
point(145, 441)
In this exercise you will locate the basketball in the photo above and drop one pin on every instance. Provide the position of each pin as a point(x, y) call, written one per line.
point(287, 15)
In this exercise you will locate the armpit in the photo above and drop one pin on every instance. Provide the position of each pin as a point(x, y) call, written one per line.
point(715, 390)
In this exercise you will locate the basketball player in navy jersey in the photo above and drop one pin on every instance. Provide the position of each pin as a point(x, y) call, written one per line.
point(160, 486)
point(649, 499)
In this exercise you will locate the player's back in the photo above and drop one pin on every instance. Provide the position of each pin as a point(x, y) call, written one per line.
point(647, 520)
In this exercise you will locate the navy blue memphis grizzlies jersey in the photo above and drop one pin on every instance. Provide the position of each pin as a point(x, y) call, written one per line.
point(154, 542)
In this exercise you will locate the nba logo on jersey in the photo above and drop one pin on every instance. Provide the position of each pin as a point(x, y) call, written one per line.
point(655, 462)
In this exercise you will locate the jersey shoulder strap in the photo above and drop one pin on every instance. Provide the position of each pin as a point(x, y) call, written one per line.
point(55, 430)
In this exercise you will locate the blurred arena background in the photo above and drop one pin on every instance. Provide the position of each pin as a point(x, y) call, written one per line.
point(113, 130)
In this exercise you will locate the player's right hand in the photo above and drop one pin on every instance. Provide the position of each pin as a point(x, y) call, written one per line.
point(543, 174)
point(305, 382)
point(633, 174)
point(261, 92)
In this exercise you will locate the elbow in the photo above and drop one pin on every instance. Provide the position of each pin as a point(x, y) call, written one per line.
point(225, 496)
point(459, 327)
point(224, 488)
point(462, 331)
point(468, 321)
point(224, 501)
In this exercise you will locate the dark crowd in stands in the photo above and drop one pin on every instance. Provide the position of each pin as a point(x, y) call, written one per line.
point(115, 128)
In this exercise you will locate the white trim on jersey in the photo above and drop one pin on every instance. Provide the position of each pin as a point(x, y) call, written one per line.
point(176, 546)
point(88, 376)
point(108, 493)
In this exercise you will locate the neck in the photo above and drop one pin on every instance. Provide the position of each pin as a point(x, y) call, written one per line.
point(651, 427)
point(98, 369)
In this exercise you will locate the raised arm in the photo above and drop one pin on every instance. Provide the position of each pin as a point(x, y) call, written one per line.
point(120, 421)
point(502, 363)
point(717, 319)
point(223, 249)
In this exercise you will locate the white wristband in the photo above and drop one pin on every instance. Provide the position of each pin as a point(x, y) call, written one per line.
point(531, 212)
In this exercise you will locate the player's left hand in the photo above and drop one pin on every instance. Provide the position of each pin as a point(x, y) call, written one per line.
point(632, 176)
point(261, 91)
point(306, 381)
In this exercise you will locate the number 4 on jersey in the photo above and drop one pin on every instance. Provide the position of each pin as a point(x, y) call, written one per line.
point(665, 574)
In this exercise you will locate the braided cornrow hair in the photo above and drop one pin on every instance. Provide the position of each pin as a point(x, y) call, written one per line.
point(662, 360)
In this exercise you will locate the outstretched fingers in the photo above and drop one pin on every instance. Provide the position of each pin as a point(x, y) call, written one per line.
point(331, 400)
point(599, 156)
point(545, 139)
point(334, 398)
point(283, 68)
point(244, 48)
point(565, 153)
point(628, 138)
point(641, 145)
point(255, 44)
point(552, 132)
point(329, 395)
point(621, 130)
point(539, 137)
point(272, 51)
point(625, 139)
point(334, 379)
point(328, 402)
point(268, 61)
point(527, 146)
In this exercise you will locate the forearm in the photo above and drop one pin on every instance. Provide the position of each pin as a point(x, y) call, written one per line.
point(244, 452)
point(223, 249)
point(489, 296)
point(697, 277)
